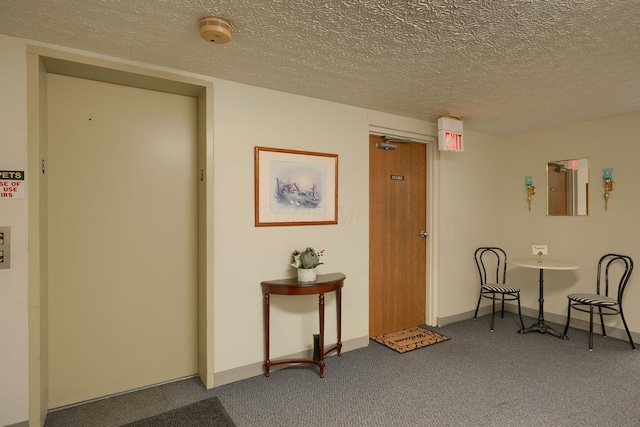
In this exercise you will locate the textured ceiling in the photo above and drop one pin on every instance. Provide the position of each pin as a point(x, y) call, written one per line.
point(505, 66)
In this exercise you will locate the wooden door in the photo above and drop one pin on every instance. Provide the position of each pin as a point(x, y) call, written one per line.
point(397, 251)
point(122, 237)
point(557, 193)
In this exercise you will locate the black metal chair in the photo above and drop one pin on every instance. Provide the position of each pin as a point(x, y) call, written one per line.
point(610, 267)
point(492, 268)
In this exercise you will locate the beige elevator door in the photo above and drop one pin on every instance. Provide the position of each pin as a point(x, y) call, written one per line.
point(122, 238)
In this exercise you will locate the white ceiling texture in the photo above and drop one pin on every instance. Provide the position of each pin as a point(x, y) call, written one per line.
point(504, 66)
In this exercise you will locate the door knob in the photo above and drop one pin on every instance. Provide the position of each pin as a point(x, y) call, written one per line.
point(424, 234)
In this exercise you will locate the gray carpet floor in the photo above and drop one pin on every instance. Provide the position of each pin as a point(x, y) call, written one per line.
point(476, 378)
point(204, 413)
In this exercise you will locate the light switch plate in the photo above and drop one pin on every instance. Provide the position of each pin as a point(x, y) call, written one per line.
point(5, 247)
point(540, 250)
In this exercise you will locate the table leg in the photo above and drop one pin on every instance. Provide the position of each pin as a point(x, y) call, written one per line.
point(541, 299)
point(267, 362)
point(540, 326)
point(321, 313)
point(339, 308)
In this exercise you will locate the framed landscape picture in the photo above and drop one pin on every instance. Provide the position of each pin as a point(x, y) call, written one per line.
point(295, 187)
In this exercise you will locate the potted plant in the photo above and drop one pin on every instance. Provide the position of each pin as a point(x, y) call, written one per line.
point(306, 262)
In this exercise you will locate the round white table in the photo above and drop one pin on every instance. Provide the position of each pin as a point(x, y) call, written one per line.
point(542, 264)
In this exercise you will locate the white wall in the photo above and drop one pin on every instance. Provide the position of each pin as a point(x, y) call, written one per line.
point(244, 255)
point(611, 142)
point(483, 202)
point(14, 336)
point(480, 201)
point(469, 210)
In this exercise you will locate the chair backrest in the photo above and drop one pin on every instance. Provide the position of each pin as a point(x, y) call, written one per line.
point(614, 268)
point(492, 265)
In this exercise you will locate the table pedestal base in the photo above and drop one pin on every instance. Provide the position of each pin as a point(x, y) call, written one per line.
point(540, 326)
point(543, 329)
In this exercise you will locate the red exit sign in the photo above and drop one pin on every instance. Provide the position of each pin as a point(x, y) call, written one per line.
point(450, 134)
point(452, 141)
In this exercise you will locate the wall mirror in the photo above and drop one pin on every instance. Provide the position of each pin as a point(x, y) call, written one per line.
point(568, 187)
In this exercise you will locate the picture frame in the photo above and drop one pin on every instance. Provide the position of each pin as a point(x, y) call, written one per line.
point(295, 187)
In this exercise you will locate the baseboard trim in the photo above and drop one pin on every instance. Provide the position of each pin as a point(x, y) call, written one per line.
point(557, 319)
point(255, 369)
point(20, 424)
point(442, 321)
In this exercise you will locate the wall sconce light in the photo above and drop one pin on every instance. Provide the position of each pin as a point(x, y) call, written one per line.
point(609, 184)
point(531, 189)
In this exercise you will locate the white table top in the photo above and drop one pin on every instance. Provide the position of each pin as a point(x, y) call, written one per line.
point(544, 263)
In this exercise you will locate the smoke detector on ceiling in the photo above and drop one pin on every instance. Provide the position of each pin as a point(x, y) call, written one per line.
point(216, 30)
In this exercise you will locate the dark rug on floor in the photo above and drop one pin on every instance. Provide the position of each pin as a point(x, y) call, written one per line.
point(205, 413)
point(409, 339)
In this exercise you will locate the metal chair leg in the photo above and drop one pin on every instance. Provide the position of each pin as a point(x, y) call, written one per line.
point(566, 328)
point(493, 310)
point(604, 333)
point(624, 322)
point(591, 328)
point(478, 306)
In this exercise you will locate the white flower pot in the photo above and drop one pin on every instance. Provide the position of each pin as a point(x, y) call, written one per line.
point(306, 275)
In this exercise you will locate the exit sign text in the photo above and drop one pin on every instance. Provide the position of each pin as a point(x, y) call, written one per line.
point(452, 141)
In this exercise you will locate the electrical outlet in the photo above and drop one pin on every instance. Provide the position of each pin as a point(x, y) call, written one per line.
point(540, 249)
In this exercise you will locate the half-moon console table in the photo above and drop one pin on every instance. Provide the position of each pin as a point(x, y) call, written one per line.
point(324, 283)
